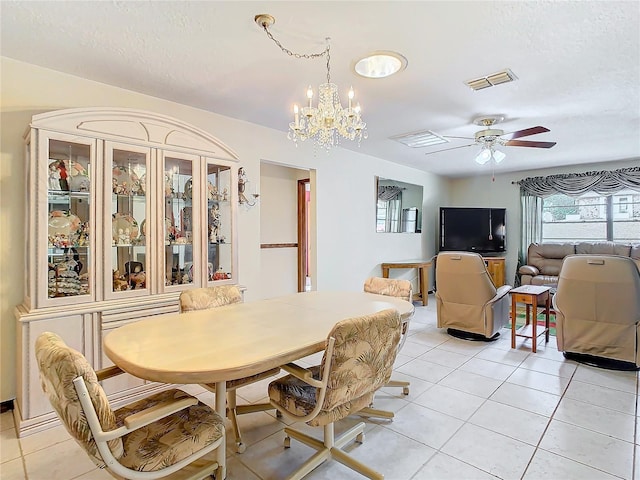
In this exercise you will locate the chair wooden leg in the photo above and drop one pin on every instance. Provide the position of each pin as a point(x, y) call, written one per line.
point(331, 448)
point(232, 415)
point(356, 432)
point(354, 464)
point(303, 438)
point(306, 468)
point(253, 407)
point(374, 412)
point(399, 383)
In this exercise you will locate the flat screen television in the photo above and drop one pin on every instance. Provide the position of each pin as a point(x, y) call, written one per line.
point(481, 230)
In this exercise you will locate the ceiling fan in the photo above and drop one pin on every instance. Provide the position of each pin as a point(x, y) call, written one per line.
point(489, 138)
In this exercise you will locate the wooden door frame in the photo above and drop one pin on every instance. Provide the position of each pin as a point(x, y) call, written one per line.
point(303, 247)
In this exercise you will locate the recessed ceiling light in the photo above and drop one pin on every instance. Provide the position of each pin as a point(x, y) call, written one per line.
point(380, 64)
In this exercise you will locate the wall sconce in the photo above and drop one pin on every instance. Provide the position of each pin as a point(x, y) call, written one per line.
point(242, 186)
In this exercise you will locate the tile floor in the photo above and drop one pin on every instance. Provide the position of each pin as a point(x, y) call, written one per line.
point(475, 411)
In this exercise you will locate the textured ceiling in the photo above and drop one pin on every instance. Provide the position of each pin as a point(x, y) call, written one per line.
point(577, 63)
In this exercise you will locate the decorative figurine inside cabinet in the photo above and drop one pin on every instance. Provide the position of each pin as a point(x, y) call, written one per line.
point(128, 219)
point(68, 199)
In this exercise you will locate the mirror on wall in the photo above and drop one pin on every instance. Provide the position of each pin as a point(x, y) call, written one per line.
point(398, 206)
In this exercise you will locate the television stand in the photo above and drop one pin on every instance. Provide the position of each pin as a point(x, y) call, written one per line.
point(496, 268)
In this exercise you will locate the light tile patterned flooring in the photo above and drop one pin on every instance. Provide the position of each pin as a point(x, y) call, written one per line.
point(475, 411)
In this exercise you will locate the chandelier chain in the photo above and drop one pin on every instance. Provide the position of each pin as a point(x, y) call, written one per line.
point(289, 52)
point(329, 120)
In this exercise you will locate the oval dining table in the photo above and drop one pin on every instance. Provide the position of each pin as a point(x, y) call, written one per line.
point(234, 341)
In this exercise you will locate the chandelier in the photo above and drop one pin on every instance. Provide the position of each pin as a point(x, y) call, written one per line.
point(327, 122)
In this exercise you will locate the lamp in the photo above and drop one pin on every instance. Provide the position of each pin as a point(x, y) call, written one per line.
point(489, 153)
point(329, 121)
point(242, 186)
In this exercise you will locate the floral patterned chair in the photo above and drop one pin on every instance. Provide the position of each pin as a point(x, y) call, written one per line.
point(167, 435)
point(393, 288)
point(357, 361)
point(218, 296)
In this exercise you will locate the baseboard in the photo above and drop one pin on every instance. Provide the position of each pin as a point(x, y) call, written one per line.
point(6, 406)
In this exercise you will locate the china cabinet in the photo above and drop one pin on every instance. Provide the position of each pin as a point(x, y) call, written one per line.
point(125, 209)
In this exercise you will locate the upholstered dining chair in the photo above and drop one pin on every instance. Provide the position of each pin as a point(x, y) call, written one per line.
point(467, 302)
point(166, 435)
point(218, 296)
point(597, 305)
point(357, 361)
point(399, 289)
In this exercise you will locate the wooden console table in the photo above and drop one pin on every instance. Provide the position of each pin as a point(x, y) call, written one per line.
point(423, 276)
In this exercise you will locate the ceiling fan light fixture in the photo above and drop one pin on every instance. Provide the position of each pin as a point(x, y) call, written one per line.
point(483, 157)
point(498, 156)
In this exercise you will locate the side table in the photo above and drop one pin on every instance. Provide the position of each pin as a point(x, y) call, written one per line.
point(533, 296)
point(423, 276)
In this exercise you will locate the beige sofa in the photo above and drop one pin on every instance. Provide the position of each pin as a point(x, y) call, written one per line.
point(544, 260)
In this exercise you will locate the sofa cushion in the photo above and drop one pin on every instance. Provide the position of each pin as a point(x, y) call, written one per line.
point(603, 248)
point(547, 257)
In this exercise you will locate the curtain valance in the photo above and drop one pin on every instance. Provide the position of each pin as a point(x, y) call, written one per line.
point(386, 193)
point(574, 184)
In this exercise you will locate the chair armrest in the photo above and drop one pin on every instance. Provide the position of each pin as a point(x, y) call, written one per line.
point(108, 372)
point(528, 270)
point(500, 292)
point(302, 373)
point(161, 410)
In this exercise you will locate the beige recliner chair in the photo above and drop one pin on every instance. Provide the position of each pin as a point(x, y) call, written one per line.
point(597, 308)
point(468, 303)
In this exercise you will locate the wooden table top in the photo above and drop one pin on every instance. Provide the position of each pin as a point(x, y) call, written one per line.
point(239, 340)
point(407, 264)
point(530, 289)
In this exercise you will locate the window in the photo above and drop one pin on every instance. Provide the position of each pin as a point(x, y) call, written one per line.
point(592, 217)
point(623, 206)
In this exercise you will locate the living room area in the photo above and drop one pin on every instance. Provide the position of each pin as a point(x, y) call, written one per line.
point(475, 410)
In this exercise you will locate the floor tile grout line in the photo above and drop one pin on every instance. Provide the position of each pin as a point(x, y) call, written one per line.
point(635, 435)
point(544, 432)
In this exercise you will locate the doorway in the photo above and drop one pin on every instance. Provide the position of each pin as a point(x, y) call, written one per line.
point(304, 260)
point(287, 218)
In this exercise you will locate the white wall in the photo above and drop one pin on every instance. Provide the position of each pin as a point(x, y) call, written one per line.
point(348, 248)
point(279, 224)
point(480, 191)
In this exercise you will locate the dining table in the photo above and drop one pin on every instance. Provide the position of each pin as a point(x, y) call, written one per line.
point(234, 341)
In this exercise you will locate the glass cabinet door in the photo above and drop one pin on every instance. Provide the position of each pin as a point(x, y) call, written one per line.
point(219, 225)
point(181, 219)
point(69, 210)
point(128, 230)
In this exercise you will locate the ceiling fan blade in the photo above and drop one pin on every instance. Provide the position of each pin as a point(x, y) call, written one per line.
point(525, 133)
point(453, 136)
point(526, 143)
point(447, 149)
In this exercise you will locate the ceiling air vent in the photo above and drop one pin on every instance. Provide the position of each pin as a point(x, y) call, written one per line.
point(497, 78)
point(425, 138)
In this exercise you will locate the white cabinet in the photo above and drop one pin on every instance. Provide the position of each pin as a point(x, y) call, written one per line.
point(125, 209)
